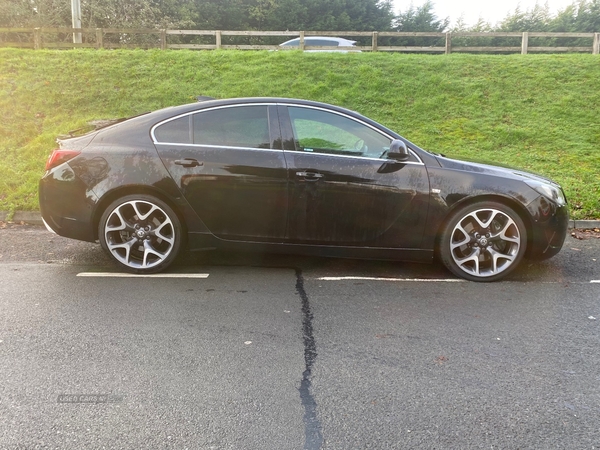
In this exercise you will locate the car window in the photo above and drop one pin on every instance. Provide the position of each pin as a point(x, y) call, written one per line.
point(292, 43)
point(175, 131)
point(313, 42)
point(242, 126)
point(324, 132)
point(321, 43)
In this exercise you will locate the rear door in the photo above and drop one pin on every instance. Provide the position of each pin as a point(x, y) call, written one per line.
point(229, 165)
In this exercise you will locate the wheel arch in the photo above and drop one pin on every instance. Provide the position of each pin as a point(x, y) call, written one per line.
point(122, 191)
point(518, 207)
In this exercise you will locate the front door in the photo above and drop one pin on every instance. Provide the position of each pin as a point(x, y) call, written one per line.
point(344, 190)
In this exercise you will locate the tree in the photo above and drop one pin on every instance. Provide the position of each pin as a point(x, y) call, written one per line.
point(535, 19)
point(95, 13)
point(330, 15)
point(481, 26)
point(35, 13)
point(582, 17)
point(579, 17)
point(420, 19)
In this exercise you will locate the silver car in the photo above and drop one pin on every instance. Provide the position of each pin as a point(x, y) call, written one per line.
point(322, 41)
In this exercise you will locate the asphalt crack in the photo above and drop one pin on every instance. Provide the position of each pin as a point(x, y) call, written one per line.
point(313, 436)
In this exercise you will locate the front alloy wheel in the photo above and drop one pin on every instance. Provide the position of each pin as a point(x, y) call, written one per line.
point(141, 233)
point(483, 242)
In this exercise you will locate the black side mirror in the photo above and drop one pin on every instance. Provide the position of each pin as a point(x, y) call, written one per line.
point(398, 150)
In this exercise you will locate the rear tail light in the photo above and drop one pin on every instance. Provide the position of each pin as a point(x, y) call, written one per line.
point(60, 156)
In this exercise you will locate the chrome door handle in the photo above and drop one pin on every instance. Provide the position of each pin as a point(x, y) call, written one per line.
point(188, 162)
point(310, 175)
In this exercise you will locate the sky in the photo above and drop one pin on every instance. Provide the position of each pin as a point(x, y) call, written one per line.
point(492, 11)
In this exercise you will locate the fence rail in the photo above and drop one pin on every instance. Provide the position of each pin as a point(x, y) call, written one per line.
point(385, 41)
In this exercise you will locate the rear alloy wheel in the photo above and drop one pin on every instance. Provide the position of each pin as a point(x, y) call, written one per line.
point(141, 233)
point(483, 241)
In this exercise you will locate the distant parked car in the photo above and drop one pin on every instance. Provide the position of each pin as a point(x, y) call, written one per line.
point(322, 41)
point(296, 176)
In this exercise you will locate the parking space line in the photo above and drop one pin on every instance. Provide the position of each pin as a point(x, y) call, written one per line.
point(133, 275)
point(431, 280)
point(595, 281)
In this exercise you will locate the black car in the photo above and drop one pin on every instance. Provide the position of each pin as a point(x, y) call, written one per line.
point(278, 174)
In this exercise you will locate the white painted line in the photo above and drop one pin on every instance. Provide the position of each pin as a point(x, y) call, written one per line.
point(431, 280)
point(595, 281)
point(133, 275)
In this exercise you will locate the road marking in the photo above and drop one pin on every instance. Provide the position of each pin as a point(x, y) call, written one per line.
point(133, 275)
point(431, 280)
point(595, 281)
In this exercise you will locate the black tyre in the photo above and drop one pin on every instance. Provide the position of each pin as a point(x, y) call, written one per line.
point(483, 241)
point(141, 233)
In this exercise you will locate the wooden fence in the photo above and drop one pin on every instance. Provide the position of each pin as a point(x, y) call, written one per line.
point(110, 38)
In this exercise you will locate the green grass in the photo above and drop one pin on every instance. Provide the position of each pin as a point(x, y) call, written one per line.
point(536, 112)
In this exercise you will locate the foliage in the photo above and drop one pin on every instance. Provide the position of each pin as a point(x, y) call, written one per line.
point(420, 18)
point(204, 14)
point(537, 112)
point(296, 15)
point(582, 16)
point(310, 15)
point(35, 13)
point(480, 27)
point(535, 19)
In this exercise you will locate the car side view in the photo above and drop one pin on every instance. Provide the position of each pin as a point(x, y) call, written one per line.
point(294, 176)
point(322, 44)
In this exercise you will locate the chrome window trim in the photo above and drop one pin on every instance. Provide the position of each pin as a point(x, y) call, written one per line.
point(190, 113)
point(366, 158)
point(298, 105)
point(221, 146)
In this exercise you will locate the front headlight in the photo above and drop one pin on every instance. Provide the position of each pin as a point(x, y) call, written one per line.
point(549, 191)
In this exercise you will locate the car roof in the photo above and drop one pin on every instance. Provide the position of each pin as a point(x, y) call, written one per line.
point(145, 121)
point(182, 109)
point(134, 129)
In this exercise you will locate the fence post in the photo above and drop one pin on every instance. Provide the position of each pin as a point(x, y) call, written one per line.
point(163, 39)
point(374, 41)
point(301, 46)
point(37, 38)
point(218, 39)
point(448, 43)
point(525, 43)
point(596, 46)
point(99, 38)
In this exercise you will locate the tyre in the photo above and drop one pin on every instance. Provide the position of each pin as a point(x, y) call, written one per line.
point(483, 241)
point(141, 233)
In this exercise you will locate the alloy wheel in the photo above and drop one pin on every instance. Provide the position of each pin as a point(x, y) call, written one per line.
point(139, 234)
point(485, 243)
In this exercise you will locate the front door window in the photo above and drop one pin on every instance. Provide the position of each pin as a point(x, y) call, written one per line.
point(324, 132)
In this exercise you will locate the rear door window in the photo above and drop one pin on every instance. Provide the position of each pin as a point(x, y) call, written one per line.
point(240, 126)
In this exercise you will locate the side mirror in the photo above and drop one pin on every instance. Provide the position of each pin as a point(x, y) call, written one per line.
point(398, 150)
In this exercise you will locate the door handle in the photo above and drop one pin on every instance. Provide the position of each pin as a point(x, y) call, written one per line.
point(188, 162)
point(310, 176)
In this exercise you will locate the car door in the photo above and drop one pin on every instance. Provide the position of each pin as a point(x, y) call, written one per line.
point(343, 188)
point(227, 165)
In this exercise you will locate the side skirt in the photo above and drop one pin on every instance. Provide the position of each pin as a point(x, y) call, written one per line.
point(203, 241)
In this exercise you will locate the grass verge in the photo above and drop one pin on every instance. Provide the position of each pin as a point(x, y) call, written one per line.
point(535, 112)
